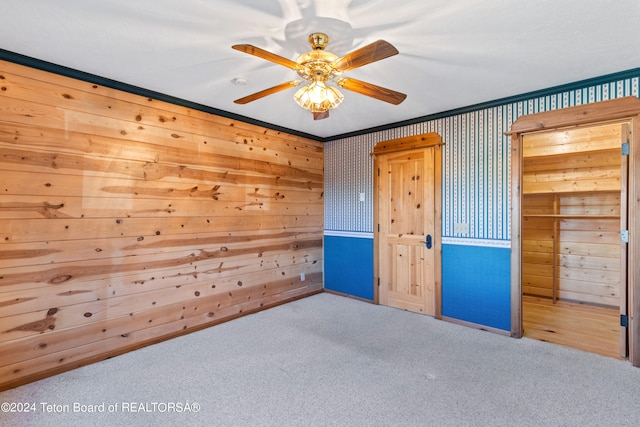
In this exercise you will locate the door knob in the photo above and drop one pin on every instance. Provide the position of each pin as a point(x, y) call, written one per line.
point(428, 241)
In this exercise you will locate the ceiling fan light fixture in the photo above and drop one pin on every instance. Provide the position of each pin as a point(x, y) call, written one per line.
point(318, 67)
point(317, 97)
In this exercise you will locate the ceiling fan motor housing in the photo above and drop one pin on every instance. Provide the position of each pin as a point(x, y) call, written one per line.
point(316, 64)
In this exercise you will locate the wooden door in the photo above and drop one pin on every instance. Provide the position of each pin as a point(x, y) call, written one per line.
point(408, 238)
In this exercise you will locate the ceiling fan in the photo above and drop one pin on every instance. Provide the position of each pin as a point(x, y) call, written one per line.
point(318, 67)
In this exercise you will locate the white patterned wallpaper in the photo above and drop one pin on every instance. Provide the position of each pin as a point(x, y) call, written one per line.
point(475, 169)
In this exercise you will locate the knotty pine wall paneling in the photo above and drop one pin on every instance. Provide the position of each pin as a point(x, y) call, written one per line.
point(126, 220)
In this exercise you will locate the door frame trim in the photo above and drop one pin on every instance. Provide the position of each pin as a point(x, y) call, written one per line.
point(425, 140)
point(627, 108)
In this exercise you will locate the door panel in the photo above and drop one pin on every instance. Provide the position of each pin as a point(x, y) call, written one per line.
point(624, 247)
point(406, 203)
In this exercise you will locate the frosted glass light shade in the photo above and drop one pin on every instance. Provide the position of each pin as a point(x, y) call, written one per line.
point(318, 97)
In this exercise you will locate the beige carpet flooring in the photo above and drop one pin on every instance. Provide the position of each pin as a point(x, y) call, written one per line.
point(333, 361)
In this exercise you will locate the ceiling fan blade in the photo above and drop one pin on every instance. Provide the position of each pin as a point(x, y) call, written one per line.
point(366, 55)
point(320, 116)
point(368, 89)
point(270, 91)
point(261, 53)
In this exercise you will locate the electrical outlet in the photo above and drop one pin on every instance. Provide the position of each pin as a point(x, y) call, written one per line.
point(302, 277)
point(461, 228)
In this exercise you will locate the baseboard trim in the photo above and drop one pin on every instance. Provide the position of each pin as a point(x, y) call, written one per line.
point(342, 294)
point(476, 326)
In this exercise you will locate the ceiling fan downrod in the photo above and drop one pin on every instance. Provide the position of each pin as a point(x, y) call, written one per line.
point(318, 41)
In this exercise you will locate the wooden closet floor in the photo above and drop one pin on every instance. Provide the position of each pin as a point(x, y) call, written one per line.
point(586, 327)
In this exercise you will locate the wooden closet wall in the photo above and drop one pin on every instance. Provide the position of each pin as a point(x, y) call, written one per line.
point(571, 207)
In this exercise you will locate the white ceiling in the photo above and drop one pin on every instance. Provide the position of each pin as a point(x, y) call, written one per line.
point(453, 53)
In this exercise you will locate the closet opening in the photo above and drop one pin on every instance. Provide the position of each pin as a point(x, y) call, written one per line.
point(573, 258)
point(573, 227)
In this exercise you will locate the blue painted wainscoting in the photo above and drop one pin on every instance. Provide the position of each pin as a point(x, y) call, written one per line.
point(475, 277)
point(476, 284)
point(348, 263)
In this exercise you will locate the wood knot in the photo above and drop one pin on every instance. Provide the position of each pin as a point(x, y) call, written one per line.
point(48, 323)
point(60, 279)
